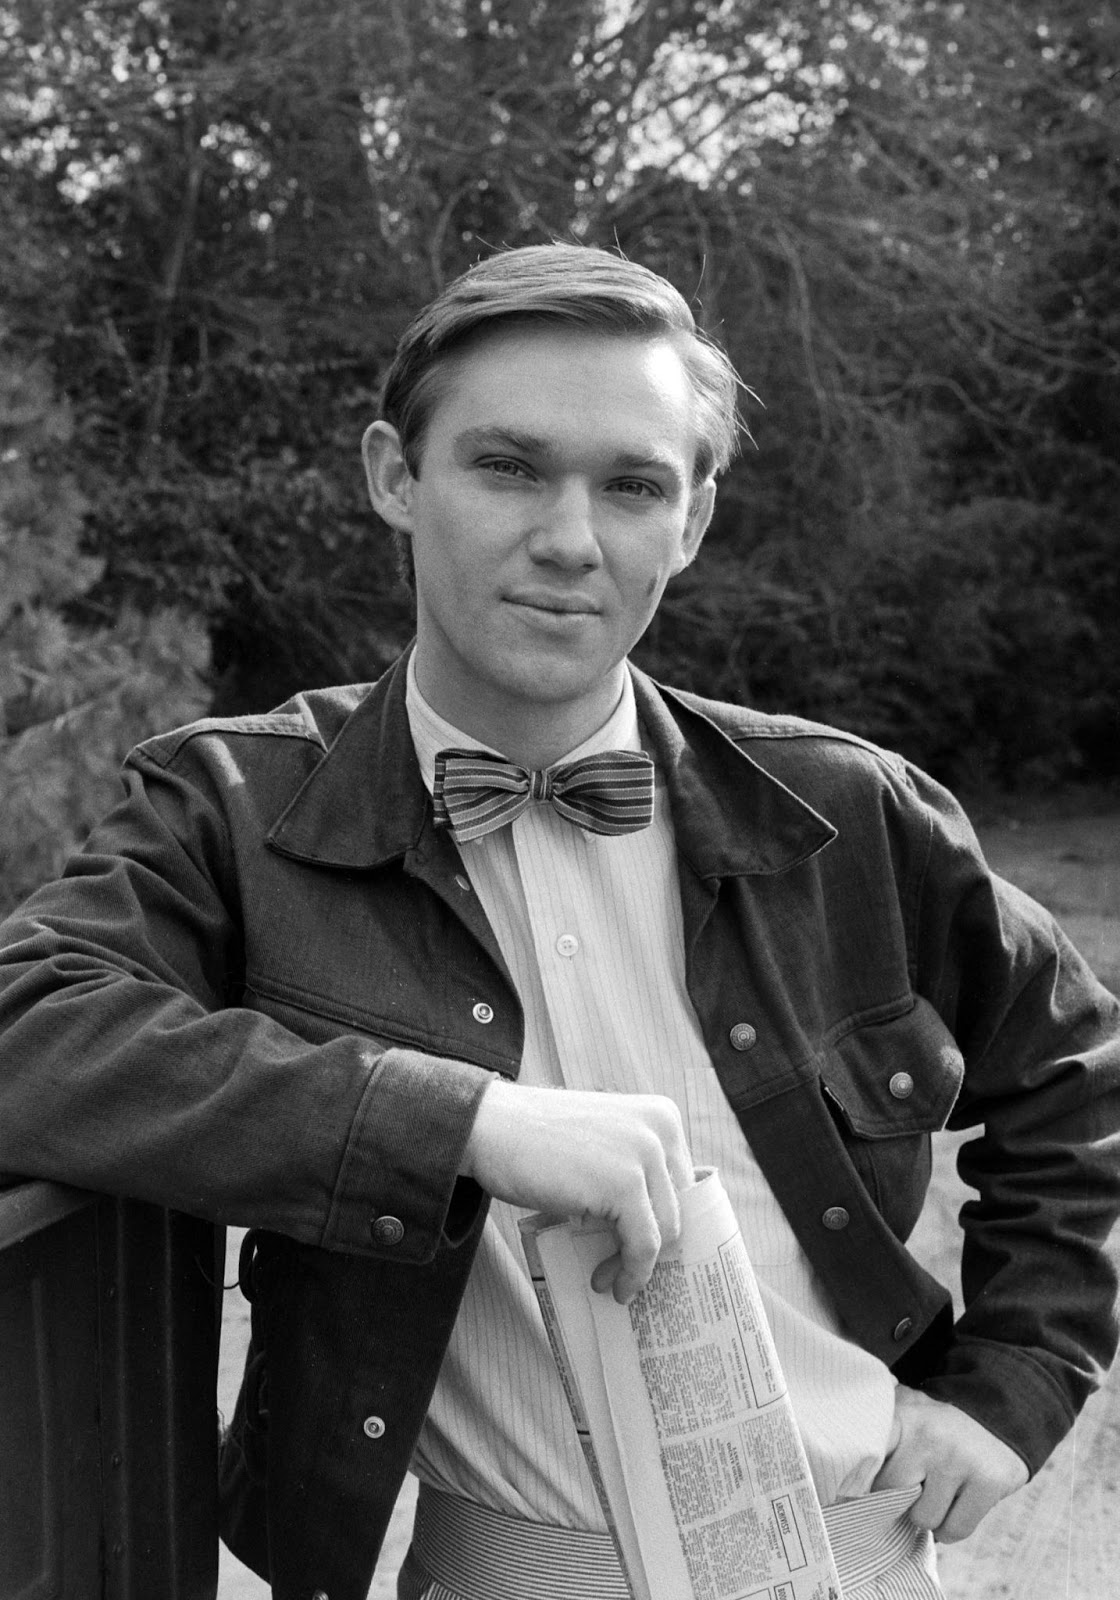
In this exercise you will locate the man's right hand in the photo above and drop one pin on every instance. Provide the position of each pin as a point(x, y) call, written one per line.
point(576, 1153)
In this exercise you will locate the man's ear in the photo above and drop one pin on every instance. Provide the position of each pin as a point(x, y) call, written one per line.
point(701, 504)
point(387, 476)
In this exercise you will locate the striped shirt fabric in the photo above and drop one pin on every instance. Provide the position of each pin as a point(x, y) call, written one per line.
point(591, 930)
point(462, 1551)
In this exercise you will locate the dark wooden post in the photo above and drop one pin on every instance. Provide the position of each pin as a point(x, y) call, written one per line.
point(109, 1327)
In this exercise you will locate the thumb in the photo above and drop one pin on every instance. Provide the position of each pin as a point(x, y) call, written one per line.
point(885, 1477)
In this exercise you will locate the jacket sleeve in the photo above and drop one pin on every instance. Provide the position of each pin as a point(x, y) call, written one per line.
point(127, 1064)
point(1041, 1044)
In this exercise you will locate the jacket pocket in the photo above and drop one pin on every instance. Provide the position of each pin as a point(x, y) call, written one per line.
point(320, 1018)
point(890, 1083)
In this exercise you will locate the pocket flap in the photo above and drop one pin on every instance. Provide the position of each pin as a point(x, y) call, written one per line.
point(894, 1077)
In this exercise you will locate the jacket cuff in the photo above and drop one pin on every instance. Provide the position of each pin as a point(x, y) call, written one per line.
point(1008, 1392)
point(400, 1175)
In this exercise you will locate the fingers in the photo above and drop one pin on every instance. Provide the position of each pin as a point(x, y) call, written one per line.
point(605, 1276)
point(933, 1505)
point(678, 1159)
point(964, 1514)
point(648, 1214)
point(898, 1470)
point(963, 1469)
point(952, 1510)
point(669, 1172)
point(651, 1221)
point(619, 1157)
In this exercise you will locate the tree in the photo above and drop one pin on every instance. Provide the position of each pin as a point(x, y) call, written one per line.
point(898, 215)
point(73, 700)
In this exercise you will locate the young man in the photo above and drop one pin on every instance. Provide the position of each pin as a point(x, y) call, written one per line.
point(376, 971)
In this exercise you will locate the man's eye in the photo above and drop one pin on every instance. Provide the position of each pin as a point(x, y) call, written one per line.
point(504, 467)
point(637, 489)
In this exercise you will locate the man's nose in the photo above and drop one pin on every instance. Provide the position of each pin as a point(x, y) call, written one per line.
point(565, 533)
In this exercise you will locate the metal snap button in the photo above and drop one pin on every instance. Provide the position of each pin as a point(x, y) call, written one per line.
point(743, 1036)
point(901, 1085)
point(386, 1230)
point(481, 1012)
point(835, 1218)
point(901, 1329)
point(373, 1427)
point(567, 944)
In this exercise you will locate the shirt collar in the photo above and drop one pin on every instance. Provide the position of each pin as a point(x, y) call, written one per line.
point(362, 804)
point(432, 733)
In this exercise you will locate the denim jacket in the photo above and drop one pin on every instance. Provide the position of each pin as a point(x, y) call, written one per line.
point(265, 993)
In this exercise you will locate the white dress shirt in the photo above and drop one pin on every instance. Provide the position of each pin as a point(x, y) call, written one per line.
point(590, 927)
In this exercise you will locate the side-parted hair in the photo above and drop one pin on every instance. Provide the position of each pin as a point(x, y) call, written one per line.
point(573, 286)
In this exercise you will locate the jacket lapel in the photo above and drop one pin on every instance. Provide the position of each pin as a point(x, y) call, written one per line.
point(365, 803)
point(730, 817)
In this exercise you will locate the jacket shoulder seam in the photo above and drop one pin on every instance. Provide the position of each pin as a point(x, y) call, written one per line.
point(165, 748)
point(809, 730)
point(763, 725)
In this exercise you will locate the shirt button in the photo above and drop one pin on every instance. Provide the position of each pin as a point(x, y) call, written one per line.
point(373, 1427)
point(743, 1036)
point(463, 882)
point(901, 1329)
point(386, 1230)
point(320, 1594)
point(835, 1218)
point(567, 944)
point(481, 1012)
point(901, 1085)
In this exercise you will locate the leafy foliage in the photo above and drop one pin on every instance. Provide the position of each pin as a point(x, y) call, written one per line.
point(73, 699)
point(901, 217)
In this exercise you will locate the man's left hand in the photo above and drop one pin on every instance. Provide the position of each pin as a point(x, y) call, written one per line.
point(964, 1470)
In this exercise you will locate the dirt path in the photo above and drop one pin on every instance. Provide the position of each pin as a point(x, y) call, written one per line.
point(1059, 1539)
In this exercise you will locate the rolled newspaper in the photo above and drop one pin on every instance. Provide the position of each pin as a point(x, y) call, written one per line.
point(683, 1413)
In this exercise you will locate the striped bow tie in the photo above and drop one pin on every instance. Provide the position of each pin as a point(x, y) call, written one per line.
point(474, 793)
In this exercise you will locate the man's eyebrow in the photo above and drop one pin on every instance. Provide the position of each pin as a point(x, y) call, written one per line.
point(638, 461)
point(497, 437)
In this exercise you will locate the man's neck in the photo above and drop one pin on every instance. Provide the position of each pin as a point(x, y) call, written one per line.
point(532, 735)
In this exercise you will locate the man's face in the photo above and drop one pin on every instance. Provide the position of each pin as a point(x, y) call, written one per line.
point(554, 501)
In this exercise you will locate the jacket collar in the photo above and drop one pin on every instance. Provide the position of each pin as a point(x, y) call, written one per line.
point(730, 817)
point(365, 804)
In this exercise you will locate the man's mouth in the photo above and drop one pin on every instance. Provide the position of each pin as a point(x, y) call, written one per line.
point(557, 604)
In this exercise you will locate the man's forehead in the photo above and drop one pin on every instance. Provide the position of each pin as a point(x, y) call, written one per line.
point(534, 385)
point(515, 340)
